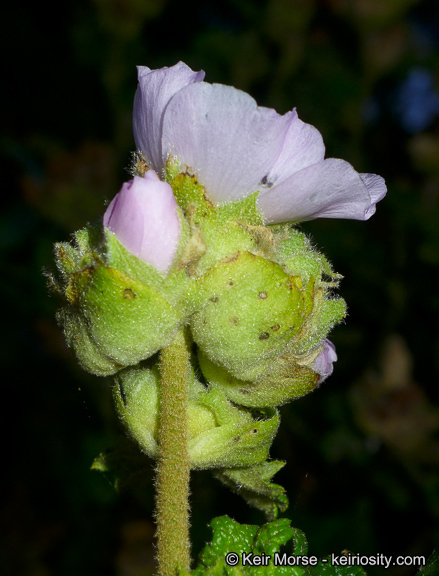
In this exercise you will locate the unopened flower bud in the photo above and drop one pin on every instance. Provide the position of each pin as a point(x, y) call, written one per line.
point(323, 364)
point(266, 318)
point(220, 434)
point(119, 308)
point(144, 217)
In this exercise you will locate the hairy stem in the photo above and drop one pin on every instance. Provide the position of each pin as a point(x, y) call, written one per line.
point(172, 497)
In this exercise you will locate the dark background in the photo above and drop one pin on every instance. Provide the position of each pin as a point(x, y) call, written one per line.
point(363, 451)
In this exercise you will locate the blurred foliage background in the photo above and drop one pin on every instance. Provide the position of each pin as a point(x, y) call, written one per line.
point(363, 451)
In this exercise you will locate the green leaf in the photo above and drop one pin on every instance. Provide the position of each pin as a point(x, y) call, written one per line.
point(432, 566)
point(263, 551)
point(326, 569)
point(273, 535)
point(231, 537)
point(228, 536)
point(300, 542)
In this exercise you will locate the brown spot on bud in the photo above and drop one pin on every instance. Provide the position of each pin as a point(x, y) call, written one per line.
point(214, 299)
point(234, 321)
point(129, 294)
point(188, 172)
point(206, 197)
point(262, 295)
point(233, 258)
point(264, 336)
point(254, 431)
point(275, 328)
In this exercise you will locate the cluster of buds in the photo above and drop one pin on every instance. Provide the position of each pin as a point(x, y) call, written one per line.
point(203, 239)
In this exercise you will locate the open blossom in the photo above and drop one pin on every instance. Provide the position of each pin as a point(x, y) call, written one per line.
point(144, 217)
point(237, 148)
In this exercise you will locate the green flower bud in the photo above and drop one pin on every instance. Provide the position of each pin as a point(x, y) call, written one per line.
point(257, 312)
point(238, 439)
point(286, 381)
point(219, 433)
point(79, 339)
point(253, 311)
point(120, 310)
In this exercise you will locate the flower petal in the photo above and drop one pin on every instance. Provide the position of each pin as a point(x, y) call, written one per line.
point(329, 189)
point(224, 137)
point(145, 219)
point(156, 88)
point(377, 189)
point(323, 364)
point(303, 146)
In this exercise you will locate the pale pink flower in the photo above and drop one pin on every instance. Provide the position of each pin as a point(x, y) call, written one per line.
point(237, 148)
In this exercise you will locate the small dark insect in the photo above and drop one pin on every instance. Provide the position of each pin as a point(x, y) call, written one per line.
point(266, 182)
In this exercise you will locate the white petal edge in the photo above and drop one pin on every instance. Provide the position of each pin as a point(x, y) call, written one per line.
point(328, 189)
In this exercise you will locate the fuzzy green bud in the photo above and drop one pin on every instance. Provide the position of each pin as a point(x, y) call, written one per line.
point(120, 309)
point(220, 434)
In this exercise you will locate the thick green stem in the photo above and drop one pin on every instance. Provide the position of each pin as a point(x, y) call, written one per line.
point(173, 546)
